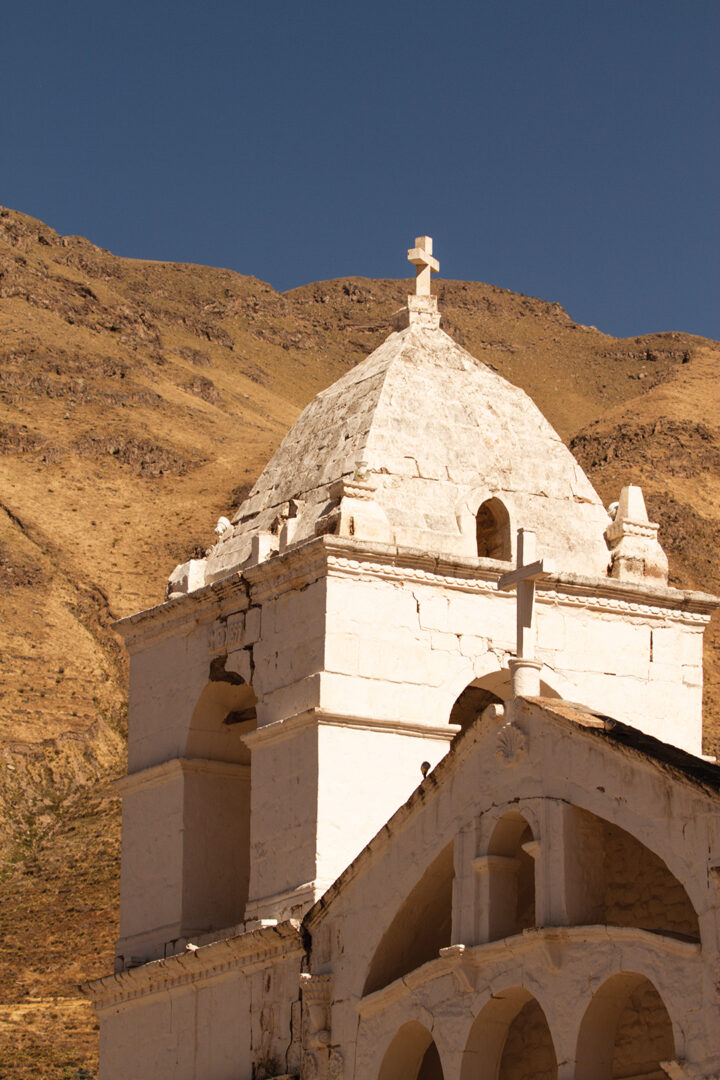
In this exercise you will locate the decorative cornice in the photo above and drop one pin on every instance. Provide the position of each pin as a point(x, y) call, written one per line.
point(198, 606)
point(307, 561)
point(169, 770)
point(318, 717)
point(316, 987)
point(293, 898)
point(243, 952)
point(342, 556)
point(518, 946)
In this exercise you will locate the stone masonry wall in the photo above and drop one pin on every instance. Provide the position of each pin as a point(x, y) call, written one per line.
point(641, 891)
point(643, 1037)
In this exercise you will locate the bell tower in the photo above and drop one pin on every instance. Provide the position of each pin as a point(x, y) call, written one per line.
point(357, 612)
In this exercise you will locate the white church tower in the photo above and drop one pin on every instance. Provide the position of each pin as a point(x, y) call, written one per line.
point(357, 613)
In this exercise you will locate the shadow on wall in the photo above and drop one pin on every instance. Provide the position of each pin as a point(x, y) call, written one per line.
point(216, 811)
point(421, 927)
point(510, 1040)
point(626, 1032)
point(412, 1055)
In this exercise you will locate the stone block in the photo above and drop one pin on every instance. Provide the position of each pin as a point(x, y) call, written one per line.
point(342, 653)
point(667, 645)
point(444, 642)
point(239, 663)
point(253, 622)
point(287, 701)
point(692, 675)
point(691, 647)
point(472, 645)
point(551, 628)
point(434, 613)
point(610, 646)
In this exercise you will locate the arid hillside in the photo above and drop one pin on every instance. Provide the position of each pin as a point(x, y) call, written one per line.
point(137, 402)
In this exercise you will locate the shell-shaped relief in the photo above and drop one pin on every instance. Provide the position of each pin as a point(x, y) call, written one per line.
point(510, 744)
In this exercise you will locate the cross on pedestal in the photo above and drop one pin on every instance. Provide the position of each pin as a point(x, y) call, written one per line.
point(523, 578)
point(422, 258)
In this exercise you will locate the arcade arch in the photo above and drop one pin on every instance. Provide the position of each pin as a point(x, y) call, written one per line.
point(510, 1040)
point(412, 1055)
point(625, 1032)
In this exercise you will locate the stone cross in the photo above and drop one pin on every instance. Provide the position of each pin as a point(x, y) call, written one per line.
point(425, 265)
point(527, 571)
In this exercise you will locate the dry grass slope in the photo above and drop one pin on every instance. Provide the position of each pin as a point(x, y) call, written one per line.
point(137, 402)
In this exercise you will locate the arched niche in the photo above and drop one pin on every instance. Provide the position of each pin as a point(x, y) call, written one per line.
point(510, 1040)
point(216, 804)
point(626, 1031)
point(604, 866)
point(492, 530)
point(510, 877)
point(412, 1055)
point(421, 927)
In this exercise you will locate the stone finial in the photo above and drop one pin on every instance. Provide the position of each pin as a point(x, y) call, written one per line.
point(223, 529)
point(353, 510)
point(635, 552)
point(421, 307)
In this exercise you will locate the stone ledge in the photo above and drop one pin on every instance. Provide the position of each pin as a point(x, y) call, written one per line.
point(167, 770)
point(517, 947)
point(243, 952)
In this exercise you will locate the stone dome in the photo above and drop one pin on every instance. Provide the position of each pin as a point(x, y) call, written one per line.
point(437, 452)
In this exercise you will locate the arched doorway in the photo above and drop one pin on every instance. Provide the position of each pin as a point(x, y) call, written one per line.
point(412, 1055)
point(510, 1040)
point(626, 1032)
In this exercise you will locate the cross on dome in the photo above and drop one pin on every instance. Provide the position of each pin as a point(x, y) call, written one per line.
point(422, 258)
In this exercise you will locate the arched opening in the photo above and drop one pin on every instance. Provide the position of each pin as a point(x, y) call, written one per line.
point(471, 703)
point(510, 1040)
point(492, 529)
point(412, 1055)
point(604, 865)
point(224, 713)
point(494, 688)
point(421, 927)
point(216, 804)
point(511, 877)
point(528, 1053)
point(431, 1066)
point(626, 1032)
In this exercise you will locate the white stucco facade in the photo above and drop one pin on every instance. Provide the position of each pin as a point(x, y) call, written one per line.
point(296, 899)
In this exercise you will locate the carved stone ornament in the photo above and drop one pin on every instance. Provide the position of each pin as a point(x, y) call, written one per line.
point(335, 1065)
point(510, 744)
point(223, 529)
point(218, 637)
point(311, 1067)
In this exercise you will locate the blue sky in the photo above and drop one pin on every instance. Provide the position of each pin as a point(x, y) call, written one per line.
point(566, 149)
